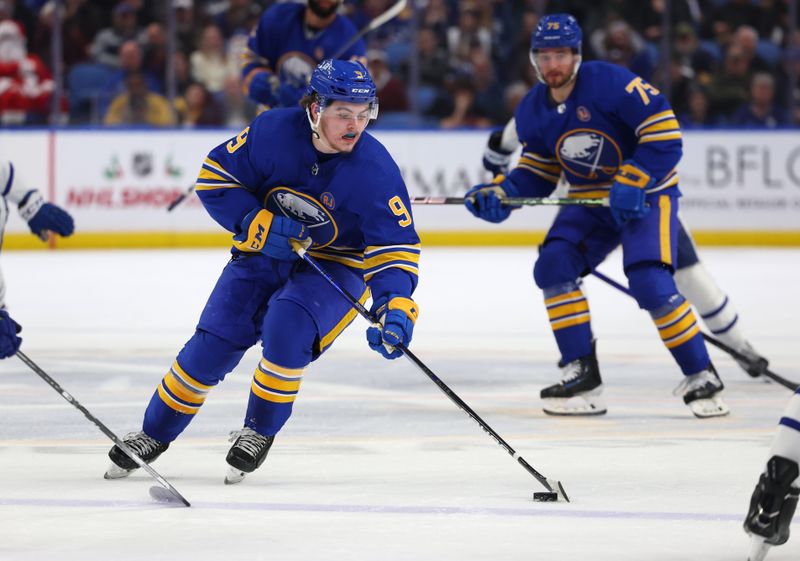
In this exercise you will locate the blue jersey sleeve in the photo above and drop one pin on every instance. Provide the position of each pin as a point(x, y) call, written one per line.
point(229, 178)
point(537, 171)
point(391, 255)
point(647, 112)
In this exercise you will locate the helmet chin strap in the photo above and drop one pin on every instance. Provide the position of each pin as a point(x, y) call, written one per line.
point(314, 123)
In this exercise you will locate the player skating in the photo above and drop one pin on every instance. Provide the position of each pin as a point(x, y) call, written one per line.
point(612, 135)
point(306, 173)
point(691, 276)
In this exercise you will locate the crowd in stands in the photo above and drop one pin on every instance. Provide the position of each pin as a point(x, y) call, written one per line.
point(455, 63)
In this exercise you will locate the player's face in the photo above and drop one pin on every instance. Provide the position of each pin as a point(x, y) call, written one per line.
point(555, 66)
point(342, 123)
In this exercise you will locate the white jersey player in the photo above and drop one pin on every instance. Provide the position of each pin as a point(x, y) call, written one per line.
point(774, 499)
point(692, 278)
point(42, 217)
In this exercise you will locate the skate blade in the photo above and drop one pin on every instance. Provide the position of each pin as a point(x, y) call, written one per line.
point(234, 476)
point(116, 472)
point(758, 549)
point(578, 406)
point(707, 408)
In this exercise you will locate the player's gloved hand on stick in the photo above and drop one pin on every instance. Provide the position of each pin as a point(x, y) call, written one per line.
point(486, 200)
point(262, 89)
point(628, 191)
point(270, 234)
point(43, 217)
point(495, 158)
point(397, 315)
point(9, 340)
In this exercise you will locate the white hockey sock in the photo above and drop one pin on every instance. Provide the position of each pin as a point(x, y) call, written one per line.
point(719, 315)
point(786, 442)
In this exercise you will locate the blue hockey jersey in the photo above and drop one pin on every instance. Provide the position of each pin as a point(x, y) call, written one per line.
point(611, 116)
point(282, 45)
point(355, 204)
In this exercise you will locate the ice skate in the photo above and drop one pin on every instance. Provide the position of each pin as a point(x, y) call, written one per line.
point(247, 453)
point(147, 448)
point(579, 391)
point(755, 365)
point(702, 392)
point(772, 506)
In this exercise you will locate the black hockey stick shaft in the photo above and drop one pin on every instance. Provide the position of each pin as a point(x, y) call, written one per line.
point(103, 428)
point(180, 198)
point(378, 21)
point(521, 201)
point(709, 338)
point(549, 484)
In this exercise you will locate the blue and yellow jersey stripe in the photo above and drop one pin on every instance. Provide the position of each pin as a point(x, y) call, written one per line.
point(381, 257)
point(659, 127)
point(677, 326)
point(544, 167)
point(213, 176)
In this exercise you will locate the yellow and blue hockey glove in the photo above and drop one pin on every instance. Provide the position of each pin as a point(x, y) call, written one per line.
point(9, 340)
point(486, 200)
point(496, 159)
point(628, 191)
point(397, 315)
point(262, 88)
point(270, 234)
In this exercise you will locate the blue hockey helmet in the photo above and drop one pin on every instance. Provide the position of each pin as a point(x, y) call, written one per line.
point(342, 80)
point(556, 31)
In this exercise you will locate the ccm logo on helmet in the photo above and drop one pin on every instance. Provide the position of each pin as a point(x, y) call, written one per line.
point(360, 90)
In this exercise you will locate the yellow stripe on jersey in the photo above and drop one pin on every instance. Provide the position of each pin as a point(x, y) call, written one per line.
point(661, 126)
point(380, 258)
point(568, 309)
point(543, 174)
point(664, 231)
point(668, 114)
point(659, 137)
point(552, 168)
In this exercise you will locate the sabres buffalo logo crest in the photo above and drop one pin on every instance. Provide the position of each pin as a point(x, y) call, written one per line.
point(303, 208)
point(588, 153)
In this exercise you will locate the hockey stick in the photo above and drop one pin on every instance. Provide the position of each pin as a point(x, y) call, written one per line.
point(180, 198)
point(155, 491)
point(710, 339)
point(552, 485)
point(522, 201)
point(374, 24)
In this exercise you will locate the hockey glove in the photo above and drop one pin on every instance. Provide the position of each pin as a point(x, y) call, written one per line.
point(397, 320)
point(9, 340)
point(495, 157)
point(486, 200)
point(628, 192)
point(270, 234)
point(43, 217)
point(262, 88)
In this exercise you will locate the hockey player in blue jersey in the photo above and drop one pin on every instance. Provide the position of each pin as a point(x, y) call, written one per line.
point(289, 41)
point(613, 136)
point(310, 174)
point(774, 499)
point(42, 217)
point(691, 276)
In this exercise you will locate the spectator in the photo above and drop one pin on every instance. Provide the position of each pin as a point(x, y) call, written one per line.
point(391, 90)
point(107, 43)
point(697, 114)
point(619, 44)
point(139, 106)
point(76, 35)
point(436, 18)
point(761, 111)
point(464, 111)
point(488, 91)
point(130, 62)
point(728, 88)
point(208, 63)
point(185, 27)
point(512, 96)
point(700, 61)
point(154, 52)
point(197, 108)
point(469, 33)
point(746, 38)
point(237, 108)
point(26, 84)
point(238, 19)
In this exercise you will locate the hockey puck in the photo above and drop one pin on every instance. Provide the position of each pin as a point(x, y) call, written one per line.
point(545, 497)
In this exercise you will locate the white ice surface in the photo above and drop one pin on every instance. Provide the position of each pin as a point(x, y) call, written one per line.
point(376, 463)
